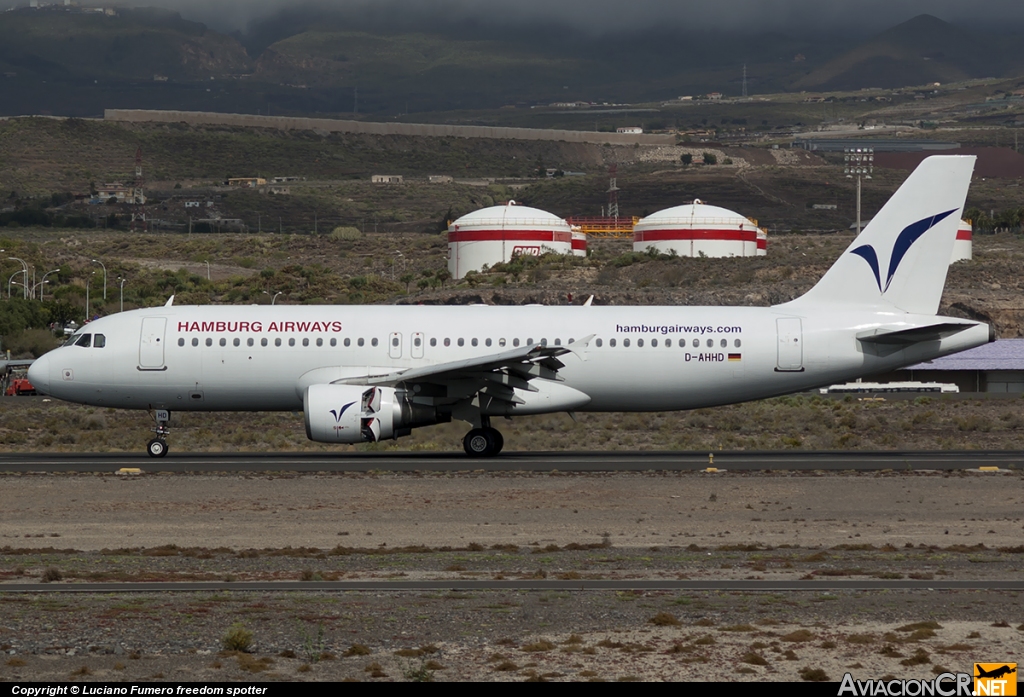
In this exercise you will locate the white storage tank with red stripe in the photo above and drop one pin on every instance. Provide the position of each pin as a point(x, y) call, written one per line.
point(762, 242)
point(697, 229)
point(963, 248)
point(579, 243)
point(495, 235)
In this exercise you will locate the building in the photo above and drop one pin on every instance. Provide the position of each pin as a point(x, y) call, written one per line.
point(248, 182)
point(498, 234)
point(440, 179)
point(629, 129)
point(697, 229)
point(994, 367)
point(387, 178)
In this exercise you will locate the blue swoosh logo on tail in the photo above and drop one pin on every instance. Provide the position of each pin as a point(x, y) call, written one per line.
point(904, 241)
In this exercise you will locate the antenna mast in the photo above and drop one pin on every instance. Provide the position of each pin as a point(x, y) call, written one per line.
point(139, 196)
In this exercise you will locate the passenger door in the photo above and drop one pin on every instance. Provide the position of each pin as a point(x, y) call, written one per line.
point(151, 343)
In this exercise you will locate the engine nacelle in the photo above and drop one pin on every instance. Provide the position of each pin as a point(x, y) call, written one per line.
point(360, 414)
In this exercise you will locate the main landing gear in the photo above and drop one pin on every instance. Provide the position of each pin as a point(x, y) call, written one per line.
point(483, 442)
point(158, 446)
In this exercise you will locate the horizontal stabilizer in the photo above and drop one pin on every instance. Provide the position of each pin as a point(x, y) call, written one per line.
point(905, 337)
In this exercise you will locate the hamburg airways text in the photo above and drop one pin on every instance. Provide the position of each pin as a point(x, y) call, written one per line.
point(674, 329)
point(258, 327)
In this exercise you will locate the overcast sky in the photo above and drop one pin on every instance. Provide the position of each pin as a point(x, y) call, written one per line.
point(610, 15)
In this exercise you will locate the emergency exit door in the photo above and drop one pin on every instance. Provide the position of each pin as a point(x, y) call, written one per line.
point(791, 348)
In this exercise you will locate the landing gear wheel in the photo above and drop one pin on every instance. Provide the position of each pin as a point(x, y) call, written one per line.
point(499, 440)
point(157, 447)
point(480, 443)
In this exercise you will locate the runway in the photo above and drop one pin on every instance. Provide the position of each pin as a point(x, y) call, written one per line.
point(735, 461)
point(517, 585)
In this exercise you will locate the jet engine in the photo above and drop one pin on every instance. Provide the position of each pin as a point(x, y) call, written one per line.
point(359, 414)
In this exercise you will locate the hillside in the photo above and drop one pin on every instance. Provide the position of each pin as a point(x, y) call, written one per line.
point(58, 45)
point(919, 51)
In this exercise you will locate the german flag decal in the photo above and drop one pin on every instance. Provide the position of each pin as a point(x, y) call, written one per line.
point(734, 357)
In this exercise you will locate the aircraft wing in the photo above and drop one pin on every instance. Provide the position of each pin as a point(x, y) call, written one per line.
point(497, 375)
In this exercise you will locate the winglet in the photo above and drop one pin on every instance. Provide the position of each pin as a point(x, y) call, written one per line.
point(170, 302)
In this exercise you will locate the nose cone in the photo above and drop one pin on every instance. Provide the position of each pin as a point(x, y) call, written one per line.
point(39, 374)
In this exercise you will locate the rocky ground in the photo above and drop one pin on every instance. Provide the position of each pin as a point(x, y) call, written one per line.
point(71, 529)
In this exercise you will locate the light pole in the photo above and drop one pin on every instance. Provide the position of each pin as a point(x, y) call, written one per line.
point(273, 299)
point(122, 280)
point(859, 162)
point(41, 282)
point(10, 281)
point(207, 262)
point(88, 282)
point(25, 271)
point(97, 261)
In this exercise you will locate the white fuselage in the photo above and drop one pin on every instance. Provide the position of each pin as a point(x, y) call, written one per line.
point(249, 358)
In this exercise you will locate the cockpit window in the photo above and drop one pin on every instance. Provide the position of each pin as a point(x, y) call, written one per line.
point(99, 341)
point(85, 341)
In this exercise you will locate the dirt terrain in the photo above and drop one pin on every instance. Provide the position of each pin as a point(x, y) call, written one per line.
point(478, 526)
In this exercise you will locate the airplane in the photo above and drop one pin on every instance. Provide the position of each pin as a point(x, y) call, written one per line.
point(370, 373)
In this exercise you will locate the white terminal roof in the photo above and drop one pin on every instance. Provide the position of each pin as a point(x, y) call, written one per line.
point(510, 216)
point(695, 214)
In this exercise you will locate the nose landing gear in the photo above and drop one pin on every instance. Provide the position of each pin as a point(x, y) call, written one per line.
point(158, 446)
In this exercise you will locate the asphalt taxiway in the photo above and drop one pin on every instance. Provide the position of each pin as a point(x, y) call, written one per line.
point(736, 461)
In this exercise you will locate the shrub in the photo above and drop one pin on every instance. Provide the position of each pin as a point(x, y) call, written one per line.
point(237, 638)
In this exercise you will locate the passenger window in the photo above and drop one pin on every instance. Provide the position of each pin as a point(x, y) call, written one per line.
point(462, 342)
point(305, 341)
point(487, 342)
point(348, 342)
point(373, 342)
point(640, 342)
point(181, 341)
point(209, 341)
point(195, 341)
point(571, 340)
point(668, 342)
point(319, 342)
point(711, 342)
point(654, 342)
point(250, 341)
point(529, 342)
point(501, 342)
point(447, 342)
point(85, 341)
point(334, 342)
point(515, 342)
point(394, 341)
point(417, 342)
point(433, 342)
point(263, 342)
point(360, 342)
point(237, 341)
point(696, 343)
point(543, 342)
point(611, 342)
point(474, 342)
point(291, 341)
point(600, 343)
point(558, 342)
point(277, 342)
point(625, 342)
point(223, 341)
point(725, 342)
point(736, 343)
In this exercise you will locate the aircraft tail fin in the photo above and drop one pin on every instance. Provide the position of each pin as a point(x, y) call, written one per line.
point(900, 259)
